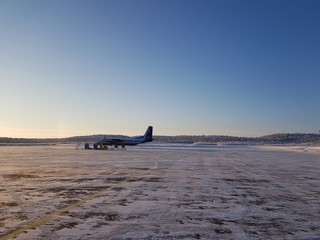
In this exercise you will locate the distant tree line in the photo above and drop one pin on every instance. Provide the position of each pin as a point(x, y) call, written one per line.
point(279, 138)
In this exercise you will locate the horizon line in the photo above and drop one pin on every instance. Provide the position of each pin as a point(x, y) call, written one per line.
point(189, 135)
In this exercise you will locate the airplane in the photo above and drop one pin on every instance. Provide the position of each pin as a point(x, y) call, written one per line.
point(129, 141)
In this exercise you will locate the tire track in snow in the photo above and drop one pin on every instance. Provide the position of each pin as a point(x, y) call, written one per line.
point(48, 217)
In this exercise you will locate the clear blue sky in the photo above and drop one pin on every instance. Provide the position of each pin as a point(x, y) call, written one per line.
point(244, 68)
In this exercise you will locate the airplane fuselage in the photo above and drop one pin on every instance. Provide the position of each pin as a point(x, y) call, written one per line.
point(121, 142)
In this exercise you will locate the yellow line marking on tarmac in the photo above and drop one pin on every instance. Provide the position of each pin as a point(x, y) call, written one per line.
point(50, 216)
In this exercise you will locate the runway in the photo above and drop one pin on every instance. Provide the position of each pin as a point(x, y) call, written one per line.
point(160, 192)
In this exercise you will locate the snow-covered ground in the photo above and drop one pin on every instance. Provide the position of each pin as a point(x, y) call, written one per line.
point(160, 192)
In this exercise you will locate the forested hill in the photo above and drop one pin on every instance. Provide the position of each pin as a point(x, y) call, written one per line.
point(280, 138)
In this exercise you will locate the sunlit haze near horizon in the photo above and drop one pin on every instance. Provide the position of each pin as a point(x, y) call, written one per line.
point(224, 67)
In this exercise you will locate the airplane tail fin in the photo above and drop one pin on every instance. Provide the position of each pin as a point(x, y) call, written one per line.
point(148, 135)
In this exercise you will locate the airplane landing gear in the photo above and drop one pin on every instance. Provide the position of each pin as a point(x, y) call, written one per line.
point(100, 146)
